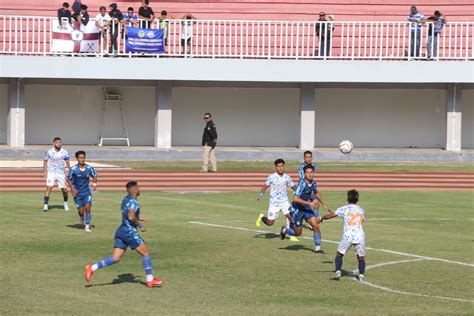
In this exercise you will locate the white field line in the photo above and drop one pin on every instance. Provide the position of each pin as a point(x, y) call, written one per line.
point(337, 242)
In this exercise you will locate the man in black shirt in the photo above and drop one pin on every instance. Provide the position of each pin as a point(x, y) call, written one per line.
point(324, 29)
point(82, 16)
point(146, 14)
point(209, 141)
point(116, 17)
point(64, 13)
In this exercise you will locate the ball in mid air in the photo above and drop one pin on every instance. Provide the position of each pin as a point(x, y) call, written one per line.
point(346, 147)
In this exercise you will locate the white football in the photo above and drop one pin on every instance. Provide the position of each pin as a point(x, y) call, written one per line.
point(346, 146)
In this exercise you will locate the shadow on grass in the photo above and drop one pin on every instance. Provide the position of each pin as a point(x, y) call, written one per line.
point(297, 248)
point(267, 235)
point(121, 278)
point(78, 226)
point(55, 207)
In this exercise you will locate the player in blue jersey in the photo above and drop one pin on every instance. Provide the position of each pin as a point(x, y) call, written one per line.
point(308, 161)
point(305, 206)
point(127, 236)
point(79, 179)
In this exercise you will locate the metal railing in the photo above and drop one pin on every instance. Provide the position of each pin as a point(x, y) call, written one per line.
point(343, 40)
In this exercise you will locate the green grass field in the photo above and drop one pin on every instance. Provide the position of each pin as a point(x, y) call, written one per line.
point(294, 165)
point(216, 270)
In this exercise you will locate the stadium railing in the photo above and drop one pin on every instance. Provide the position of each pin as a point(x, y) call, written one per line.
point(250, 39)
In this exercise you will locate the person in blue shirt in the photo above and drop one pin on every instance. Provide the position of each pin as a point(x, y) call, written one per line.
point(79, 180)
point(305, 206)
point(436, 24)
point(307, 160)
point(127, 236)
point(415, 30)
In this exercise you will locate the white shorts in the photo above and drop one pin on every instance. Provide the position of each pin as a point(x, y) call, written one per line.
point(54, 178)
point(344, 245)
point(274, 211)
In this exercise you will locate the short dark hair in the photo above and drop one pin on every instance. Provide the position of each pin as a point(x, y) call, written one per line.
point(130, 9)
point(352, 196)
point(437, 13)
point(102, 8)
point(146, 2)
point(164, 12)
point(65, 5)
point(208, 114)
point(56, 138)
point(308, 167)
point(307, 152)
point(278, 161)
point(131, 184)
point(84, 7)
point(80, 152)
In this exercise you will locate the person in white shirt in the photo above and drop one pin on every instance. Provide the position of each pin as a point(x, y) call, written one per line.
point(279, 183)
point(102, 21)
point(187, 32)
point(353, 216)
point(56, 166)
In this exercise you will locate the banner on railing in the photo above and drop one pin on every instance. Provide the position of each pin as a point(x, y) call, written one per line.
point(140, 40)
point(75, 37)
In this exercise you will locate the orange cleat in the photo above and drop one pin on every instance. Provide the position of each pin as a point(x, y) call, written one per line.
point(89, 273)
point(155, 283)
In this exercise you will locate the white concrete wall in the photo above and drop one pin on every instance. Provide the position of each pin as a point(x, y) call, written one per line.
point(467, 105)
point(381, 117)
point(243, 116)
point(3, 113)
point(73, 113)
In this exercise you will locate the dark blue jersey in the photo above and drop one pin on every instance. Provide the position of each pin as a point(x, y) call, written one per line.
point(80, 179)
point(301, 170)
point(306, 192)
point(129, 202)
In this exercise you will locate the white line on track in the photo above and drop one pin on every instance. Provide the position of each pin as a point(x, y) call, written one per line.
point(337, 242)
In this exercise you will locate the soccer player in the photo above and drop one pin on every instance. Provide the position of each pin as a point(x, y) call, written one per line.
point(56, 165)
point(278, 182)
point(79, 179)
point(308, 161)
point(353, 216)
point(306, 201)
point(127, 236)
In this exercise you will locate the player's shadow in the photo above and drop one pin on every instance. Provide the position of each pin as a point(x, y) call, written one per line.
point(78, 226)
point(267, 235)
point(297, 248)
point(55, 207)
point(121, 278)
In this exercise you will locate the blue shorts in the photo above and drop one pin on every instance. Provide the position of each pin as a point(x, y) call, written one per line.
point(124, 239)
point(298, 216)
point(83, 200)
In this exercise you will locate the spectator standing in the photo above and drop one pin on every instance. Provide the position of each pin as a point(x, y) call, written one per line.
point(117, 18)
point(324, 29)
point(437, 22)
point(102, 21)
point(76, 7)
point(164, 21)
point(417, 19)
point(82, 16)
point(64, 14)
point(187, 32)
point(146, 14)
point(209, 142)
point(130, 19)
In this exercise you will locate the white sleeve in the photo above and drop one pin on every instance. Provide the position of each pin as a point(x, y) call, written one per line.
point(340, 212)
point(269, 180)
point(290, 182)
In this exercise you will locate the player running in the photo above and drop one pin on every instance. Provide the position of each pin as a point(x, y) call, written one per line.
point(278, 182)
point(353, 216)
point(56, 166)
point(308, 161)
point(79, 179)
point(127, 236)
point(306, 201)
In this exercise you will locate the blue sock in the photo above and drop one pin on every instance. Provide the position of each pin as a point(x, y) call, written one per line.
point(338, 263)
point(317, 238)
point(88, 218)
point(264, 220)
point(107, 261)
point(147, 265)
point(46, 200)
point(290, 231)
point(361, 266)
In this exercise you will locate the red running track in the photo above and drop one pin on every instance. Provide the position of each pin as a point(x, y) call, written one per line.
point(185, 180)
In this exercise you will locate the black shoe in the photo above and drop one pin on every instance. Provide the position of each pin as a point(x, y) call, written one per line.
point(282, 233)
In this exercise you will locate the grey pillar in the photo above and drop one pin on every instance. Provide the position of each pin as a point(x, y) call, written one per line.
point(454, 117)
point(307, 116)
point(16, 113)
point(163, 114)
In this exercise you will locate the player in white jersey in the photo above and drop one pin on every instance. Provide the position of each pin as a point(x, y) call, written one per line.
point(56, 166)
point(279, 183)
point(353, 216)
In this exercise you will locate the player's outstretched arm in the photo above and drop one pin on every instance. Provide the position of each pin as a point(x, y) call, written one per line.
point(262, 192)
point(320, 199)
point(327, 216)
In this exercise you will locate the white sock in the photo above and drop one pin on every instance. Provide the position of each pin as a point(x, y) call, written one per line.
point(317, 248)
point(88, 226)
point(95, 267)
point(287, 223)
point(149, 277)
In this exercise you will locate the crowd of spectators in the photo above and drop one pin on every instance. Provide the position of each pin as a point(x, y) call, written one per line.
point(109, 22)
